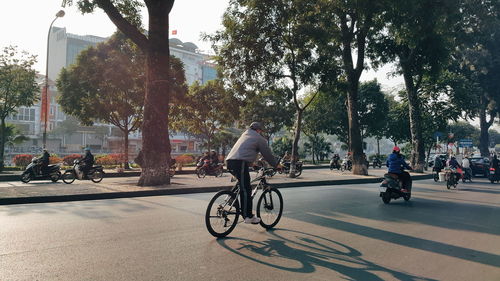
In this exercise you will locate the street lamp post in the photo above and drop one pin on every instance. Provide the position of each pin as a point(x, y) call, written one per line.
point(59, 14)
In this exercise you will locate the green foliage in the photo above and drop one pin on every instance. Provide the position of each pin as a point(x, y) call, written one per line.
point(328, 114)
point(18, 87)
point(206, 110)
point(318, 147)
point(281, 145)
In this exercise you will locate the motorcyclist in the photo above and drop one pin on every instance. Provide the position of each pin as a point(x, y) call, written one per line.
point(466, 165)
point(214, 159)
point(396, 164)
point(243, 153)
point(453, 163)
point(44, 162)
point(494, 164)
point(86, 162)
point(335, 160)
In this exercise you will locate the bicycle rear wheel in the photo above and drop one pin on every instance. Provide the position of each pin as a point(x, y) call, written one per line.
point(270, 207)
point(222, 213)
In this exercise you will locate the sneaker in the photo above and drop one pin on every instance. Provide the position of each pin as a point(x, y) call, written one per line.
point(252, 220)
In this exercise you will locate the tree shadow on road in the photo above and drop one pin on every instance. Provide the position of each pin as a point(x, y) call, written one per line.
point(301, 252)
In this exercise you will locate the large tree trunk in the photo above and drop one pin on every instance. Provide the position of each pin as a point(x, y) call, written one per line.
point(295, 143)
point(418, 152)
point(355, 140)
point(155, 141)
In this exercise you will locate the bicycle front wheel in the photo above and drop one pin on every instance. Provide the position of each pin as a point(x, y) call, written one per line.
point(222, 213)
point(270, 207)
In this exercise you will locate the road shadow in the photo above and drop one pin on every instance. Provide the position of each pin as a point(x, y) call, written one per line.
point(296, 251)
point(401, 239)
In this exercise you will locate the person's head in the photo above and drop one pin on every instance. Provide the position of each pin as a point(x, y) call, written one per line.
point(86, 149)
point(396, 150)
point(44, 149)
point(257, 126)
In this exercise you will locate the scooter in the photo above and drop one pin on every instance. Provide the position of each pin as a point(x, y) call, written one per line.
point(53, 172)
point(346, 165)
point(494, 176)
point(390, 188)
point(95, 173)
point(286, 168)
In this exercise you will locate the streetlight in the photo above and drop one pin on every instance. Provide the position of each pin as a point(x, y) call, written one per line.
point(59, 14)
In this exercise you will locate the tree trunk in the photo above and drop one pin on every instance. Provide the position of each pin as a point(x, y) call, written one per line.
point(2, 144)
point(125, 150)
point(155, 141)
point(295, 143)
point(484, 124)
point(378, 146)
point(355, 141)
point(418, 152)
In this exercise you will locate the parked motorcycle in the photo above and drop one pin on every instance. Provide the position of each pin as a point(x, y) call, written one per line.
point(205, 167)
point(53, 172)
point(494, 175)
point(334, 164)
point(390, 188)
point(95, 173)
point(286, 168)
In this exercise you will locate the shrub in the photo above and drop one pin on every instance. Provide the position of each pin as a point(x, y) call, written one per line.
point(68, 159)
point(22, 160)
point(55, 159)
point(184, 159)
point(110, 159)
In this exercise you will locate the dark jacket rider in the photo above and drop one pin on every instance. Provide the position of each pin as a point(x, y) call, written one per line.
point(87, 161)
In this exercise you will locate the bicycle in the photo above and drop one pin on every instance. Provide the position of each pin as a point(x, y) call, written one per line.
point(223, 211)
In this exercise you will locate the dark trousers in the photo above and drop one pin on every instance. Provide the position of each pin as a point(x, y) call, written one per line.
point(239, 169)
point(406, 179)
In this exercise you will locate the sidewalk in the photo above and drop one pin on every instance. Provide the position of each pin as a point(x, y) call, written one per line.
point(15, 192)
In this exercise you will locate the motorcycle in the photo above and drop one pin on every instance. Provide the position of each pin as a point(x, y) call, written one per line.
point(467, 175)
point(435, 173)
point(346, 165)
point(53, 172)
point(390, 188)
point(205, 167)
point(286, 168)
point(494, 176)
point(377, 163)
point(95, 173)
point(452, 177)
point(334, 164)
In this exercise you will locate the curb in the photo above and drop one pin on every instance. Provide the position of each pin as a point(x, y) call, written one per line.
point(176, 191)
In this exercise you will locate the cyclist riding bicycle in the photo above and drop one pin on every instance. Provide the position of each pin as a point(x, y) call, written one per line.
point(243, 153)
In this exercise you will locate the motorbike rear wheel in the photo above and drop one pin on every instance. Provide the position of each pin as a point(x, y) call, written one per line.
point(201, 173)
point(407, 196)
point(26, 177)
point(386, 197)
point(96, 176)
point(219, 172)
point(55, 176)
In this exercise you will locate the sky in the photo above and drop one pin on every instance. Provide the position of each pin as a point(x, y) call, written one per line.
point(25, 24)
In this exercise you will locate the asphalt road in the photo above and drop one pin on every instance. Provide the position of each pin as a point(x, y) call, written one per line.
point(327, 233)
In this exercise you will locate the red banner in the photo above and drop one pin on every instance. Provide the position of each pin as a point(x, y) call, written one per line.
point(44, 105)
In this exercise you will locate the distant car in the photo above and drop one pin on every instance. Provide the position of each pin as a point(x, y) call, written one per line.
point(443, 158)
point(480, 165)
